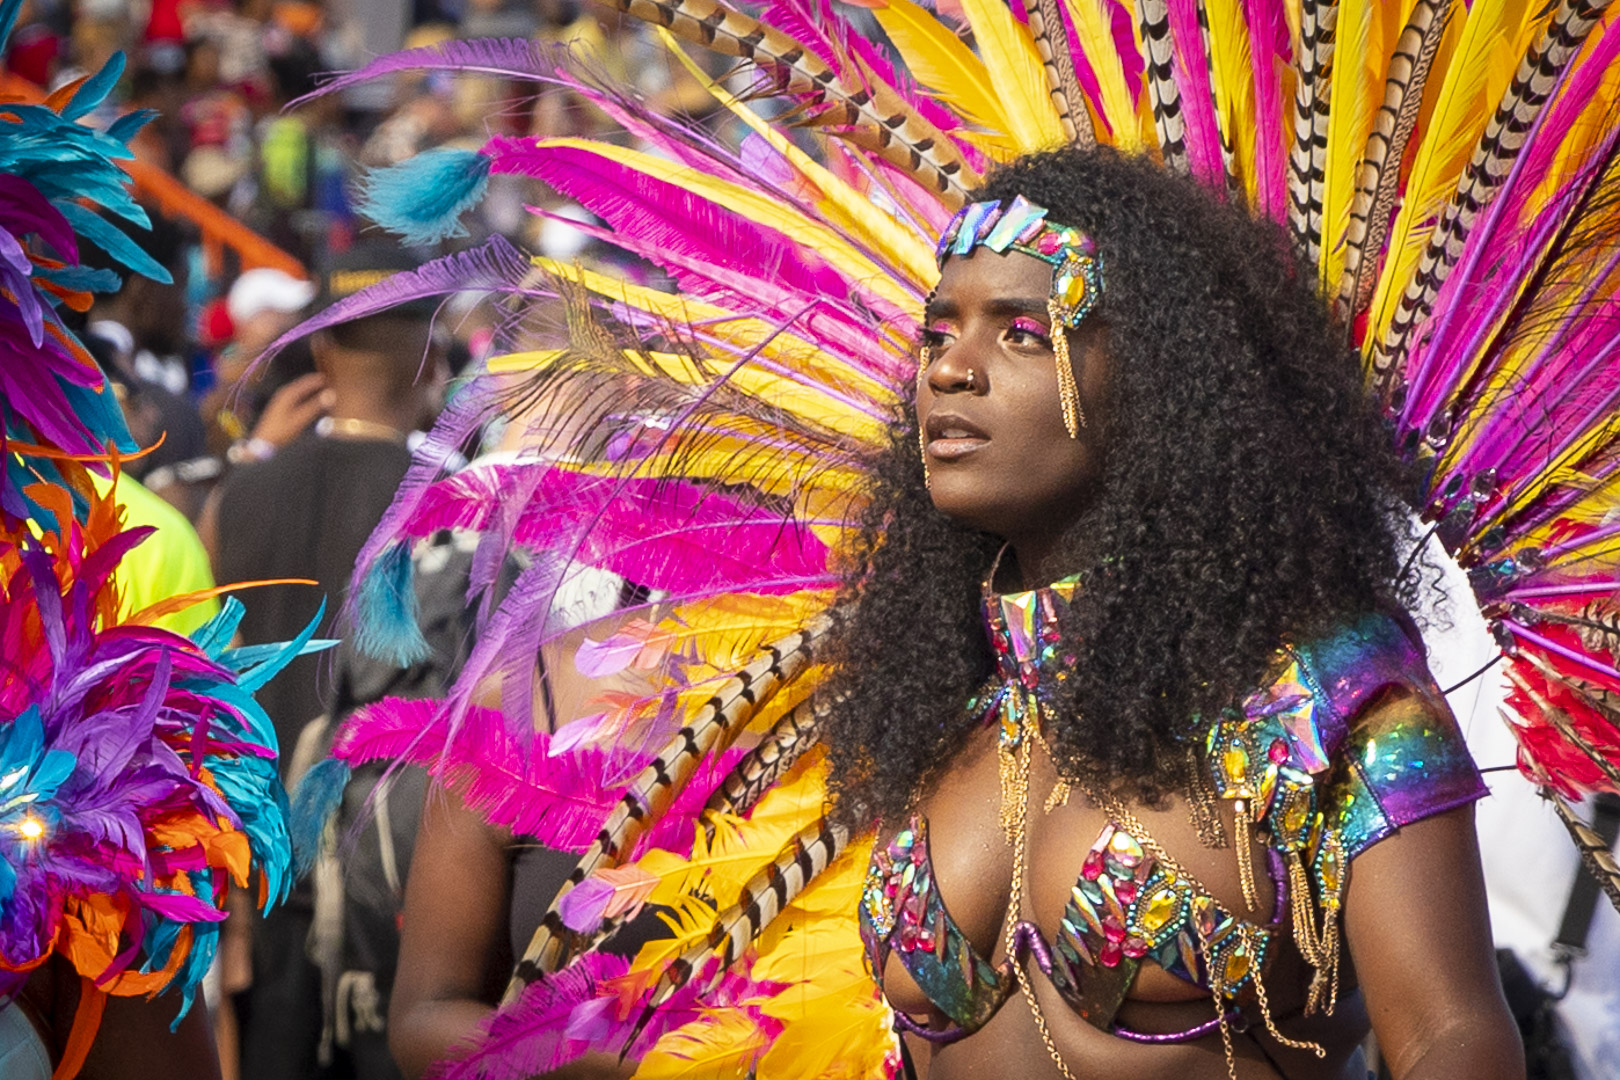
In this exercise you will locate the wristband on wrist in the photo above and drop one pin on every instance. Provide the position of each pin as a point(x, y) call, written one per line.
point(245, 451)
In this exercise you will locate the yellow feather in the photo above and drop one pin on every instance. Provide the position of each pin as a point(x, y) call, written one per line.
point(756, 207)
point(1232, 79)
point(844, 206)
point(1473, 69)
point(942, 63)
point(746, 332)
point(1595, 122)
point(732, 460)
point(716, 871)
point(722, 1044)
point(835, 1024)
point(1016, 69)
point(727, 631)
point(804, 399)
point(1119, 104)
point(1367, 31)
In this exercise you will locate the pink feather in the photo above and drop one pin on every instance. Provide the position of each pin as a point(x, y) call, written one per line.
point(1269, 53)
point(664, 216)
point(559, 799)
point(1197, 97)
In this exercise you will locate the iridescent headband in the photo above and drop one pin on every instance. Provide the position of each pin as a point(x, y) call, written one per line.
point(1077, 275)
point(1077, 269)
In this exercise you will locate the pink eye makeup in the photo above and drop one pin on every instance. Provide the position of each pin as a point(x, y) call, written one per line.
point(1024, 324)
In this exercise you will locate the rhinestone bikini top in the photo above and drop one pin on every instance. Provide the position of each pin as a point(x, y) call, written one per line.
point(1319, 777)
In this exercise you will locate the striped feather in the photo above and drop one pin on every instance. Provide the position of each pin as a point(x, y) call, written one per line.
point(1159, 49)
point(1596, 853)
point(1307, 161)
point(902, 136)
point(801, 860)
point(1380, 173)
point(794, 734)
point(709, 731)
point(1050, 36)
point(1365, 39)
point(1533, 82)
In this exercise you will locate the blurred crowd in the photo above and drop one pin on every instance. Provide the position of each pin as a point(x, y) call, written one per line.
point(218, 77)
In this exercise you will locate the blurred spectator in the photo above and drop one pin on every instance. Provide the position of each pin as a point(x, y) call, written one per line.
point(304, 513)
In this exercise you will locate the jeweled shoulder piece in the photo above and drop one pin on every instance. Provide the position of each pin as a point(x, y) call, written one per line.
point(1077, 268)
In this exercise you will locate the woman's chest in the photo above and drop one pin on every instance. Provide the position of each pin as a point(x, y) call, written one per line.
point(1098, 891)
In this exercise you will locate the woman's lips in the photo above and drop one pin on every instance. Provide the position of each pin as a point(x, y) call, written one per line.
point(950, 437)
point(951, 449)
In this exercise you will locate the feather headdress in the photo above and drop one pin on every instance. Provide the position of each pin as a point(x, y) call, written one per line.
point(138, 777)
point(1449, 172)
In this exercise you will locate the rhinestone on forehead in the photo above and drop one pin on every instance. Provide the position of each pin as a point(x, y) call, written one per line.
point(1077, 268)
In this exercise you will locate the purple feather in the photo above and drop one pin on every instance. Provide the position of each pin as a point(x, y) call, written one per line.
point(513, 58)
point(493, 265)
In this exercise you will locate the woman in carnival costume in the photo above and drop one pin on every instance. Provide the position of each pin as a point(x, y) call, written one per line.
point(1039, 514)
point(137, 774)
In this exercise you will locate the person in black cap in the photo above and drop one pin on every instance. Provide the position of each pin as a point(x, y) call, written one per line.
point(304, 513)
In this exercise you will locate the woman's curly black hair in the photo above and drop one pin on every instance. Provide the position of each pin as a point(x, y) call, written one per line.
point(1249, 494)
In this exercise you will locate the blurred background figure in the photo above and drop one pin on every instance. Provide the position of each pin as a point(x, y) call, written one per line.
point(304, 512)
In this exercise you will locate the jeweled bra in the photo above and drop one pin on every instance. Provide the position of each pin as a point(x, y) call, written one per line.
point(1319, 781)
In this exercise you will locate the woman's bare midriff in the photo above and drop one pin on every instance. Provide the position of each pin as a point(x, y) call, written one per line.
point(972, 863)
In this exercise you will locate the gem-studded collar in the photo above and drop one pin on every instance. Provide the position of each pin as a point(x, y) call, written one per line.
point(1023, 630)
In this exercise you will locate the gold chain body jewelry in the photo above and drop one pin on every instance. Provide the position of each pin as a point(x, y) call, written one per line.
point(1015, 895)
point(925, 358)
point(1074, 417)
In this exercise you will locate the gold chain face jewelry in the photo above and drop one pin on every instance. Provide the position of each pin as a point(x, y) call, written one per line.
point(925, 358)
point(1074, 417)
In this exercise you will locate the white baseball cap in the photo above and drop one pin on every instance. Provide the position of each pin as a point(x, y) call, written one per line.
point(267, 289)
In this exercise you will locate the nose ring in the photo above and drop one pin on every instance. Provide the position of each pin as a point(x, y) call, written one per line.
point(972, 380)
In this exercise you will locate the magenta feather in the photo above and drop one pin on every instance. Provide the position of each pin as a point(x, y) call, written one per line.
point(1505, 248)
point(664, 535)
point(665, 217)
point(826, 320)
point(1203, 133)
point(592, 1004)
point(531, 1037)
point(560, 798)
point(1270, 52)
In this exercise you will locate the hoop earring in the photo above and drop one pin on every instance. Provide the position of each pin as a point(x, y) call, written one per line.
point(1074, 417)
point(925, 359)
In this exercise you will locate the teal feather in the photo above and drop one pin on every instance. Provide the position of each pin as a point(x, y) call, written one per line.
point(112, 240)
point(95, 89)
point(214, 636)
point(124, 128)
point(9, 10)
point(422, 199)
point(314, 801)
point(386, 610)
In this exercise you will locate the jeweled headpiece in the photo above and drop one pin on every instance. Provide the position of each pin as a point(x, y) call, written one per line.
point(1077, 273)
point(1077, 269)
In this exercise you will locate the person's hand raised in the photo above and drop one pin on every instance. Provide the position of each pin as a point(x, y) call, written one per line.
point(291, 410)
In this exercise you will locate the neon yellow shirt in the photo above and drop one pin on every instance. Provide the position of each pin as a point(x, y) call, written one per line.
point(169, 562)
